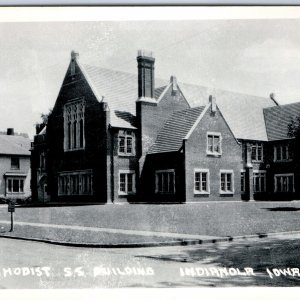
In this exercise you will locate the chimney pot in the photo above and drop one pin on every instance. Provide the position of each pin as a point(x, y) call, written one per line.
point(74, 55)
point(212, 100)
point(173, 81)
point(10, 131)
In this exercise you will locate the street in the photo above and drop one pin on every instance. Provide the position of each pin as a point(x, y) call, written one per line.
point(261, 262)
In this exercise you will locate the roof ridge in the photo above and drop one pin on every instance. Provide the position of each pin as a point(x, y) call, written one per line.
point(179, 82)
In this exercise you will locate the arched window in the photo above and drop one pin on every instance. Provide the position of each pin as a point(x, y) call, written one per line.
point(74, 125)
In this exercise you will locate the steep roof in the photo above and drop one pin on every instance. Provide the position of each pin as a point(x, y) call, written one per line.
point(175, 129)
point(277, 119)
point(14, 145)
point(243, 113)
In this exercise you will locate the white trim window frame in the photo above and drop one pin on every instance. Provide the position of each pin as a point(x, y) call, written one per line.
point(213, 143)
point(127, 182)
point(279, 181)
point(201, 181)
point(259, 181)
point(126, 142)
point(281, 153)
point(15, 189)
point(165, 181)
point(226, 182)
point(258, 152)
point(74, 123)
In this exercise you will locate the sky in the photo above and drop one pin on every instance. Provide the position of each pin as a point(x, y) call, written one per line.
point(256, 57)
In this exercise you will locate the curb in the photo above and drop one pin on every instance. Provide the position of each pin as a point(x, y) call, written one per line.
point(185, 242)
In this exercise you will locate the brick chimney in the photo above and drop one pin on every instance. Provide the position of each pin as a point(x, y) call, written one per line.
point(74, 56)
point(10, 131)
point(145, 62)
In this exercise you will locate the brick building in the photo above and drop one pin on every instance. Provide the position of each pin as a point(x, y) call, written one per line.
point(14, 165)
point(117, 137)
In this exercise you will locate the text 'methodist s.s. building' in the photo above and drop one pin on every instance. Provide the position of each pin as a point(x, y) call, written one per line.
point(116, 137)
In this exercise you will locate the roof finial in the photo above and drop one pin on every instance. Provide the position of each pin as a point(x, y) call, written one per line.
point(273, 97)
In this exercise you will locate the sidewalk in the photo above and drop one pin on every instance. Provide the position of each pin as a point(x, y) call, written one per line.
point(125, 225)
point(80, 236)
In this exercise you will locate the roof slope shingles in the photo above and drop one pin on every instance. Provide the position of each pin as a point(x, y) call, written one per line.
point(175, 129)
point(14, 145)
point(278, 118)
point(243, 113)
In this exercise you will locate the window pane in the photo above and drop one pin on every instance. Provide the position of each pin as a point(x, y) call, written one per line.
point(160, 182)
point(204, 182)
point(210, 143)
point(122, 183)
point(165, 182)
point(216, 144)
point(278, 153)
point(16, 185)
point(9, 183)
point(69, 135)
point(21, 186)
point(171, 183)
point(129, 144)
point(15, 163)
point(122, 144)
point(222, 182)
point(253, 153)
point(81, 133)
point(284, 152)
point(197, 181)
point(129, 183)
point(242, 182)
point(290, 184)
point(262, 183)
point(259, 153)
point(228, 183)
point(75, 135)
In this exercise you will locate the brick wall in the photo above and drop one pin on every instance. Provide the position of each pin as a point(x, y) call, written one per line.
point(94, 155)
point(196, 157)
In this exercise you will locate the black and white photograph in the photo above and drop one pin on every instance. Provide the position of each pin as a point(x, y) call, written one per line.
point(155, 151)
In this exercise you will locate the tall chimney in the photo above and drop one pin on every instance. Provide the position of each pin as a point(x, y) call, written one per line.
point(10, 131)
point(145, 62)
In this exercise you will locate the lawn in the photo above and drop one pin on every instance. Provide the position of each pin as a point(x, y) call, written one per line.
point(216, 219)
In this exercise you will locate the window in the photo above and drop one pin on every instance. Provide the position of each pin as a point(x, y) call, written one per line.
point(201, 181)
point(126, 182)
point(226, 182)
point(214, 143)
point(165, 181)
point(284, 183)
point(74, 125)
point(15, 185)
point(15, 163)
point(75, 183)
point(259, 181)
point(243, 181)
point(257, 152)
point(126, 142)
point(43, 161)
point(282, 153)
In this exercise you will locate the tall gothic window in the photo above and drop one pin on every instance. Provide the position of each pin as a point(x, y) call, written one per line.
point(74, 125)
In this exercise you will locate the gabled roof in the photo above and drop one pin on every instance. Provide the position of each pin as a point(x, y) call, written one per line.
point(278, 118)
point(175, 129)
point(243, 113)
point(120, 91)
point(14, 145)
